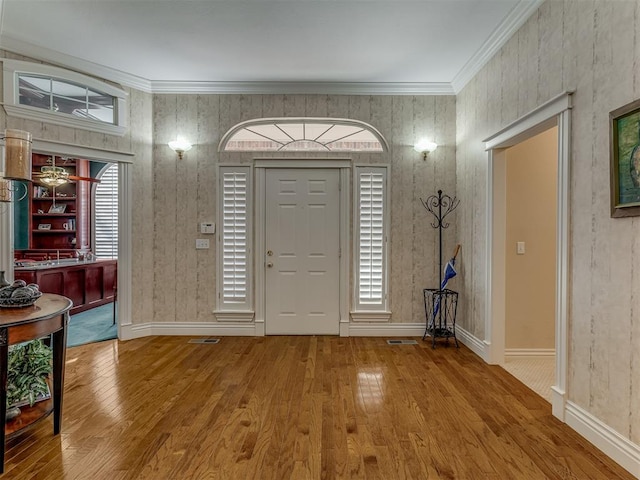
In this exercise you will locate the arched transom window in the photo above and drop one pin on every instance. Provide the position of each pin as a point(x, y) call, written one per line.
point(303, 134)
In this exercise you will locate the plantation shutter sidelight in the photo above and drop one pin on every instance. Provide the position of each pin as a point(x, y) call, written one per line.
point(234, 237)
point(106, 214)
point(371, 238)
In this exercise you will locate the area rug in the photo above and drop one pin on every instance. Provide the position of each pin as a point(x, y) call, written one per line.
point(90, 326)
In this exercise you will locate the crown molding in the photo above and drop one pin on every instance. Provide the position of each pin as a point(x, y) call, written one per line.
point(334, 88)
point(160, 86)
point(509, 25)
point(74, 63)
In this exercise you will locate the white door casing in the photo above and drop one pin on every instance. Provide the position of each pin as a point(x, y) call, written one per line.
point(556, 111)
point(302, 254)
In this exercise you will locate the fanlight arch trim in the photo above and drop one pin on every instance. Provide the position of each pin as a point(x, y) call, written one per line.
point(303, 134)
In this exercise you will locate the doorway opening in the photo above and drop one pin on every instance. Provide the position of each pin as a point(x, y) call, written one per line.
point(555, 113)
point(123, 162)
point(100, 323)
point(525, 179)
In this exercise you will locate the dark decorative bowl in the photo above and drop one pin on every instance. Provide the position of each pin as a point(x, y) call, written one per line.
point(19, 302)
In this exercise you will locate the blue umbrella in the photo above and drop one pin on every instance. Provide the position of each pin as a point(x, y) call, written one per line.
point(449, 273)
point(450, 269)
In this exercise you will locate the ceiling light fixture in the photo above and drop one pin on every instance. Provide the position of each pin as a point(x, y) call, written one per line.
point(425, 147)
point(180, 146)
point(54, 176)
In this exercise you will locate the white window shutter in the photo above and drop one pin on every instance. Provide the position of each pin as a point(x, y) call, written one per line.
point(371, 285)
point(106, 214)
point(234, 237)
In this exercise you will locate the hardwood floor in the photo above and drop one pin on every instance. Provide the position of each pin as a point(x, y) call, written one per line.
point(298, 408)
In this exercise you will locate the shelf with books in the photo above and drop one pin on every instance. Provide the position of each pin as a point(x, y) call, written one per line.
point(59, 216)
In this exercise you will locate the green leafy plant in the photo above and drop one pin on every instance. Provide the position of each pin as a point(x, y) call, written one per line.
point(27, 372)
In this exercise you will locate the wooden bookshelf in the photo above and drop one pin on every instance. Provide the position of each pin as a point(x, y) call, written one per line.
point(60, 221)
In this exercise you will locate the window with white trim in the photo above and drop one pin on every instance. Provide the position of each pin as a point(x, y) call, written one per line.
point(371, 239)
point(234, 265)
point(50, 94)
point(105, 216)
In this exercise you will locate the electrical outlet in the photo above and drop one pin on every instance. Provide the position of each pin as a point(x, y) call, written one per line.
point(202, 243)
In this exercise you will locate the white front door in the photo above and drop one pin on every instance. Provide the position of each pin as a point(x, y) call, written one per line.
point(302, 252)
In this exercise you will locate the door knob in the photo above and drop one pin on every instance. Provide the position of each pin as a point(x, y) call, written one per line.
point(269, 265)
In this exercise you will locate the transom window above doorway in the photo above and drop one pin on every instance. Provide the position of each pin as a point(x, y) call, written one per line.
point(303, 135)
point(45, 93)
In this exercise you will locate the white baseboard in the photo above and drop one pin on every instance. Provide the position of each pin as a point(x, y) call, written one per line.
point(344, 329)
point(129, 332)
point(234, 316)
point(370, 317)
point(132, 331)
point(616, 446)
point(386, 329)
point(558, 403)
point(413, 330)
point(472, 342)
point(529, 352)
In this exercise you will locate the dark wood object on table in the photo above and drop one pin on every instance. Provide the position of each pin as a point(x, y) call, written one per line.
point(48, 316)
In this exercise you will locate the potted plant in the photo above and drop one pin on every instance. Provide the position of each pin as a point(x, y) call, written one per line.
point(27, 371)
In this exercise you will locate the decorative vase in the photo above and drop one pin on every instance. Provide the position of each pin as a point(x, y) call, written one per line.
point(12, 412)
point(3, 280)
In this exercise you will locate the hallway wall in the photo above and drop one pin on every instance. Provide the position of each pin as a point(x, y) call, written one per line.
point(531, 173)
point(591, 47)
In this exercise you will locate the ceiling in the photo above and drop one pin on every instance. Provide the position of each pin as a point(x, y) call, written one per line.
point(390, 46)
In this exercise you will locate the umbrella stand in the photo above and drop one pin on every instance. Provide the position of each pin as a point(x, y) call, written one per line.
point(440, 303)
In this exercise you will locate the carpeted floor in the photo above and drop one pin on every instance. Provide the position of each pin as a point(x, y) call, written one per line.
point(537, 373)
point(90, 326)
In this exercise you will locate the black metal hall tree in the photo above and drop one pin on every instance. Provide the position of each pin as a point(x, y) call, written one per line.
point(441, 304)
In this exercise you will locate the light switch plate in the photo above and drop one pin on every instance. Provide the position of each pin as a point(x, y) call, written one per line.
point(520, 248)
point(202, 243)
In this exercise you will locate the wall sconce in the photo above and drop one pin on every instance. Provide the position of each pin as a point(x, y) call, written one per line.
point(180, 146)
point(424, 147)
point(17, 155)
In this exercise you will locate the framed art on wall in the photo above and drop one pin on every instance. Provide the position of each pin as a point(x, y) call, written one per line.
point(625, 160)
point(59, 208)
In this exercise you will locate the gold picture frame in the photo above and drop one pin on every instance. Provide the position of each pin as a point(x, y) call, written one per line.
point(624, 143)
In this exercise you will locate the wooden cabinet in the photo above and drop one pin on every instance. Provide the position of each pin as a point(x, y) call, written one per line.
point(87, 284)
point(59, 217)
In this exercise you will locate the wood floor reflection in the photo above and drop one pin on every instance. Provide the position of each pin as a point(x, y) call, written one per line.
point(297, 408)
